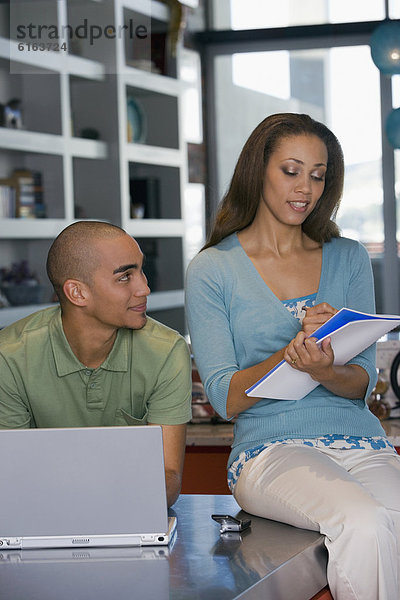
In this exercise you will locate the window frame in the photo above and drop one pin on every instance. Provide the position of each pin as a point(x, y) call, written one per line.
point(217, 43)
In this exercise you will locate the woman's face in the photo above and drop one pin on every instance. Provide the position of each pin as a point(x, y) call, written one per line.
point(294, 179)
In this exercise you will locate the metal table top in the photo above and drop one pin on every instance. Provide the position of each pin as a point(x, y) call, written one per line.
point(270, 561)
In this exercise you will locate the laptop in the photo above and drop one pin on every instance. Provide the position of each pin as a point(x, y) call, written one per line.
point(83, 487)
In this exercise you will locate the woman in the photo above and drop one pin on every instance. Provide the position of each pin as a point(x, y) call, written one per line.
point(274, 269)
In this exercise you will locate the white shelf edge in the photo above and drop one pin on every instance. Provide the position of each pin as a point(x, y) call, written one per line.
point(53, 61)
point(85, 68)
point(148, 8)
point(84, 148)
point(49, 143)
point(164, 300)
point(14, 229)
point(154, 155)
point(152, 82)
point(155, 227)
point(31, 141)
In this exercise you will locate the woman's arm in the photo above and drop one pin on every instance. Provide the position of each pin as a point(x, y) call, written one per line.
point(237, 400)
point(207, 311)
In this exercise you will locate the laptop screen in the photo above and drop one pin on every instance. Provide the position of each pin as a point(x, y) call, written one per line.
point(84, 481)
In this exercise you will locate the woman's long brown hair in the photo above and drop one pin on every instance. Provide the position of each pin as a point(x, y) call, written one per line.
point(239, 206)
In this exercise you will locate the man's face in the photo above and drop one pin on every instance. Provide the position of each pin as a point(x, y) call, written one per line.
point(118, 290)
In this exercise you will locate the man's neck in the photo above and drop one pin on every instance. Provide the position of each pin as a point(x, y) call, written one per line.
point(90, 345)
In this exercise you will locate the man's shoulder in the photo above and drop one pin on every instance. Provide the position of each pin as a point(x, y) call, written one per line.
point(154, 343)
point(154, 330)
point(32, 324)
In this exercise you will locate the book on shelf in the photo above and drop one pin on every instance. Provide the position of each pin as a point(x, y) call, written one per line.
point(7, 199)
point(21, 195)
point(350, 332)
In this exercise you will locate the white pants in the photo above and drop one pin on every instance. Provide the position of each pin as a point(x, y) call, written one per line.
point(350, 496)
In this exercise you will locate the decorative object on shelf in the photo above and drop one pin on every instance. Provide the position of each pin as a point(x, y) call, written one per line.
point(89, 133)
point(20, 285)
point(177, 23)
point(12, 116)
point(392, 127)
point(4, 303)
point(145, 197)
point(377, 403)
point(385, 47)
point(29, 194)
point(136, 120)
point(137, 210)
point(8, 198)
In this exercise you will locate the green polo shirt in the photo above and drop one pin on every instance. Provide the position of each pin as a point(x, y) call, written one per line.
point(145, 378)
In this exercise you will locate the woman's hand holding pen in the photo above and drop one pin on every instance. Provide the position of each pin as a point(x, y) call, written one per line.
point(303, 353)
point(316, 316)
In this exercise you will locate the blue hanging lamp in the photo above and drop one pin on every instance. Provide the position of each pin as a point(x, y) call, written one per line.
point(385, 47)
point(392, 127)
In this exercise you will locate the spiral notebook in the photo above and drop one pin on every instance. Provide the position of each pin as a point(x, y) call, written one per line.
point(350, 331)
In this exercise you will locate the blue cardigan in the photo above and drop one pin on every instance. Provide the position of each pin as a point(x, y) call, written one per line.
point(235, 322)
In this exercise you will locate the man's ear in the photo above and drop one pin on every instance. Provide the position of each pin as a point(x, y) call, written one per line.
point(76, 292)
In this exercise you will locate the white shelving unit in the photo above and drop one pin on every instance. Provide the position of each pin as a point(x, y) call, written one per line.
point(88, 87)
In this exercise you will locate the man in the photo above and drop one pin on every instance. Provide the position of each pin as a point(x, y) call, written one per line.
point(97, 360)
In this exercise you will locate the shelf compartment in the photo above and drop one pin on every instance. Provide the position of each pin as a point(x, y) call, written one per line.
point(87, 113)
point(164, 265)
point(24, 14)
point(151, 52)
point(33, 90)
point(51, 168)
point(152, 118)
point(94, 192)
point(91, 34)
point(154, 192)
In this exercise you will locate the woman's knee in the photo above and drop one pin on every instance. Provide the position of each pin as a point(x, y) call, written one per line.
point(368, 520)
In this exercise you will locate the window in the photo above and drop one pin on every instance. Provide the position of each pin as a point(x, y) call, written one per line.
point(256, 14)
point(319, 82)
point(331, 78)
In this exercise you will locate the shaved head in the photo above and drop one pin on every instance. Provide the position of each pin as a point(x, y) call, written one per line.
point(74, 253)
